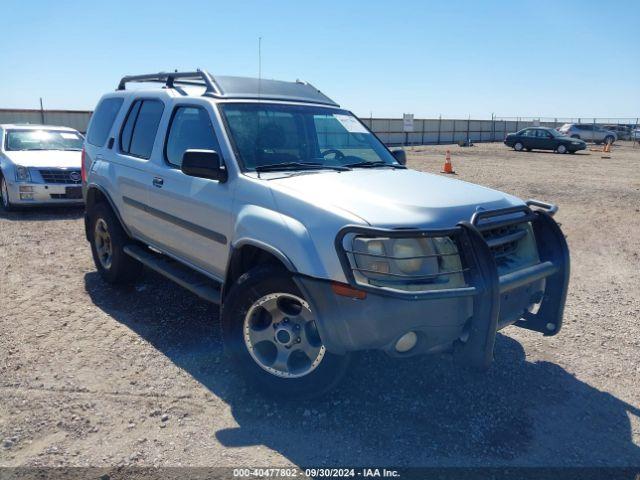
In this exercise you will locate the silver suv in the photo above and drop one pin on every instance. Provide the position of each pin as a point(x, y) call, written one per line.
point(588, 131)
point(39, 165)
point(269, 199)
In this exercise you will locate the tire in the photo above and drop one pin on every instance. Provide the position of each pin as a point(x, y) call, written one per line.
point(518, 146)
point(609, 139)
point(255, 351)
point(5, 203)
point(561, 149)
point(108, 239)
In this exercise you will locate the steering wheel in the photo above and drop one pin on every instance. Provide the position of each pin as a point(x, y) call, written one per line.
point(338, 155)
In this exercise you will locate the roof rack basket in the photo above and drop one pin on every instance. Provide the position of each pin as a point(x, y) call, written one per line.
point(199, 78)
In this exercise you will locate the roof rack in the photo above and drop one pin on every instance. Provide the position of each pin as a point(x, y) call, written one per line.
point(198, 78)
point(235, 87)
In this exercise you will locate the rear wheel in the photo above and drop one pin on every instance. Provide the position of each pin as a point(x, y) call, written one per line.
point(561, 149)
point(518, 146)
point(270, 332)
point(4, 195)
point(108, 240)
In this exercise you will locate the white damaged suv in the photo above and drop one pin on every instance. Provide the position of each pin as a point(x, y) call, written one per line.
point(269, 199)
point(39, 165)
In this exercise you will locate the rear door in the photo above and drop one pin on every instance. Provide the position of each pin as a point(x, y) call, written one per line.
point(586, 132)
point(528, 138)
point(192, 215)
point(545, 140)
point(130, 156)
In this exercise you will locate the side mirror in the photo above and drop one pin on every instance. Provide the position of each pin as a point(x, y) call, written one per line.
point(203, 164)
point(400, 155)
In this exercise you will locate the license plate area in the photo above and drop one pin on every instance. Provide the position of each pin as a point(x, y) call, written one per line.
point(74, 193)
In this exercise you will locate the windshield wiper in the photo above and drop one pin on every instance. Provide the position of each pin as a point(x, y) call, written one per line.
point(292, 166)
point(375, 164)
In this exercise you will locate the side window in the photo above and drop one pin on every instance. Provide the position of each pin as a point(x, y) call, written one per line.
point(127, 129)
point(526, 133)
point(102, 121)
point(543, 134)
point(139, 131)
point(190, 128)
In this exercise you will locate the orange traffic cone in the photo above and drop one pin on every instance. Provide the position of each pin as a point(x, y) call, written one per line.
point(448, 168)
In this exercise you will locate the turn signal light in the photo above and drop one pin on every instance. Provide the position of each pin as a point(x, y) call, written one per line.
point(345, 290)
point(83, 170)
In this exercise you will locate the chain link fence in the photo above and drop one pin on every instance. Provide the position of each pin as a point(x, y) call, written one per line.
point(428, 131)
point(436, 131)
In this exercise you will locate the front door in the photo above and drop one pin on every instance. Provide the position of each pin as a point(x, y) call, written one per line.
point(191, 215)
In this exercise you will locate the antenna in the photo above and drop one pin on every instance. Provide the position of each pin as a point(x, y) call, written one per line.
point(259, 65)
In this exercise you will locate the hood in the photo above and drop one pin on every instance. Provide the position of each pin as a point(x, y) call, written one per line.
point(45, 158)
point(395, 198)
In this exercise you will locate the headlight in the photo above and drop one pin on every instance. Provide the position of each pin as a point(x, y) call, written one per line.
point(414, 264)
point(22, 174)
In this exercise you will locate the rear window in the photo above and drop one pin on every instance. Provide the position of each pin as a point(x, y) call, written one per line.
point(139, 131)
point(102, 120)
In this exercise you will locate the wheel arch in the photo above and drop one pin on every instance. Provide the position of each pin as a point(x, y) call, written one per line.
point(96, 194)
point(249, 253)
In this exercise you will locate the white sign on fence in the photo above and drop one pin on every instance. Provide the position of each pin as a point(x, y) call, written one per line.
point(407, 122)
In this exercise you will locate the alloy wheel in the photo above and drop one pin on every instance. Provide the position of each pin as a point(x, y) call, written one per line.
point(280, 334)
point(102, 241)
point(4, 193)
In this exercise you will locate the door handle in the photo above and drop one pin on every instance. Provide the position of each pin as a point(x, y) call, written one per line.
point(158, 182)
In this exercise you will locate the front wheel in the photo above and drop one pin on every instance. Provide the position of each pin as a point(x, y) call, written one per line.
point(518, 146)
point(561, 149)
point(4, 195)
point(270, 332)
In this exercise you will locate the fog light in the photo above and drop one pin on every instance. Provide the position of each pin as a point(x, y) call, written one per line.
point(26, 188)
point(406, 342)
point(26, 196)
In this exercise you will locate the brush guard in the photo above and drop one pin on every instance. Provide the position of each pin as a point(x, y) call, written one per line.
point(482, 278)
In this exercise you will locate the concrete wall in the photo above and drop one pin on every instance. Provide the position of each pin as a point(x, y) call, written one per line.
point(63, 118)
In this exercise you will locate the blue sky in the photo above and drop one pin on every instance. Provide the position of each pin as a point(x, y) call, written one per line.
point(453, 57)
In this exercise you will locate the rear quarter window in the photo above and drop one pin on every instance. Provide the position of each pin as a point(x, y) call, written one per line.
point(102, 121)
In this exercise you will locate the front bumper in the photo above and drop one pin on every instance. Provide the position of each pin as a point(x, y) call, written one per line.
point(465, 319)
point(23, 194)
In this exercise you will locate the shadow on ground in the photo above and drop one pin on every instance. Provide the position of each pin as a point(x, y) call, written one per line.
point(412, 412)
point(43, 213)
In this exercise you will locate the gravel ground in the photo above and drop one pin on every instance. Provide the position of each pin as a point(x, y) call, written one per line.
point(92, 375)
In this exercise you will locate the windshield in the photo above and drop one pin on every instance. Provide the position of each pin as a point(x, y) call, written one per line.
point(43, 140)
point(300, 136)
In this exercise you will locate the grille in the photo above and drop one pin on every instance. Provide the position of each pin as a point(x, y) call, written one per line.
point(504, 242)
point(61, 176)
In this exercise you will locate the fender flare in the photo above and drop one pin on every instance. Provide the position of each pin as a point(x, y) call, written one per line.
point(286, 261)
point(103, 191)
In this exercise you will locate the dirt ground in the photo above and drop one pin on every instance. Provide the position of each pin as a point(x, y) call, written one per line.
point(93, 375)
